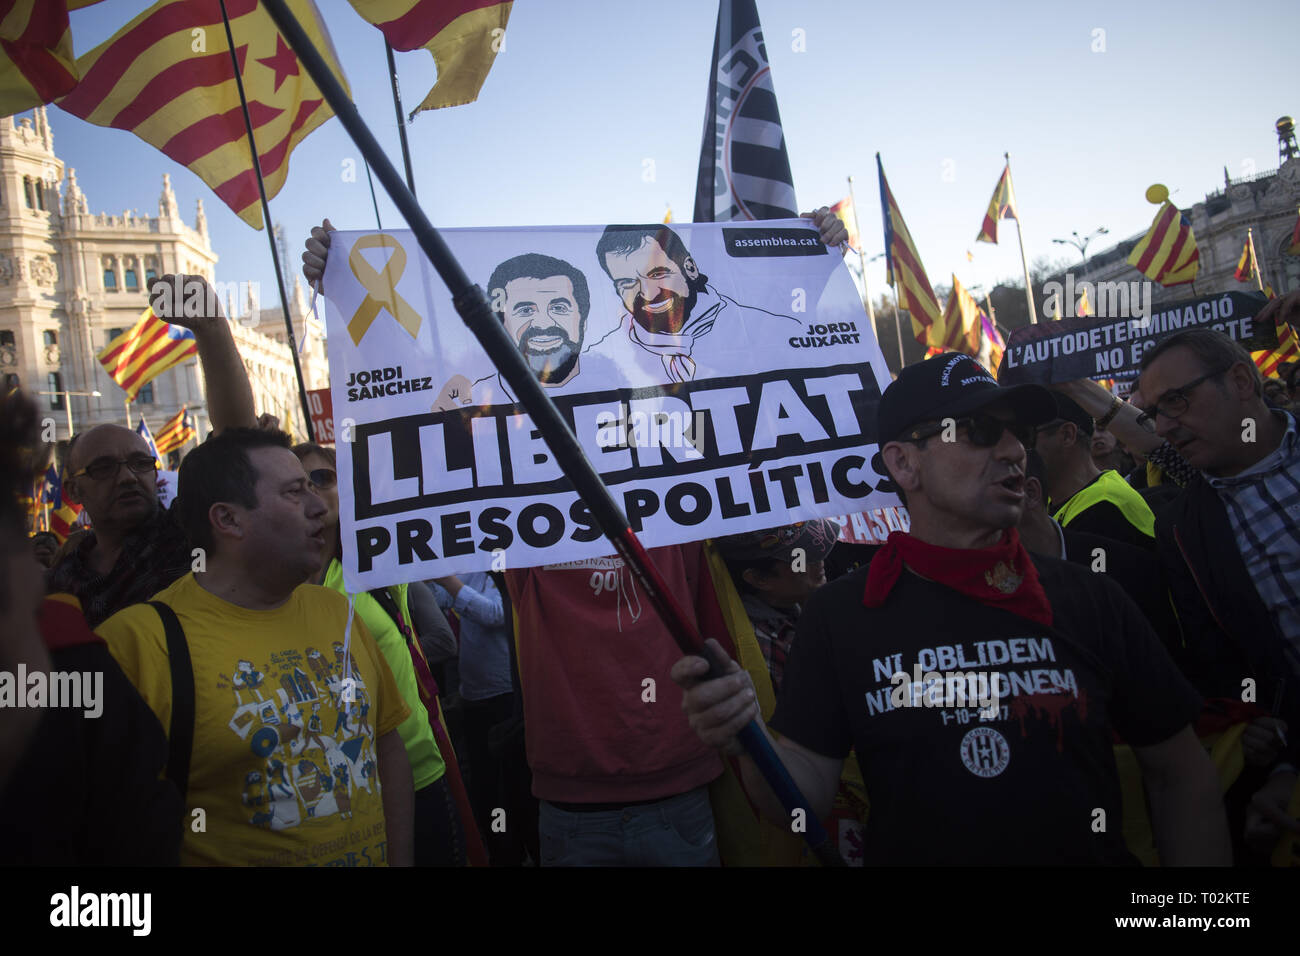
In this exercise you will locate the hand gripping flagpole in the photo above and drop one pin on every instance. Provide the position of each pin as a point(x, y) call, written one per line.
point(474, 310)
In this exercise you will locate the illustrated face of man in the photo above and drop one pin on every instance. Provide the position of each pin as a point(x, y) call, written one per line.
point(286, 531)
point(122, 499)
point(656, 292)
point(1208, 432)
point(542, 317)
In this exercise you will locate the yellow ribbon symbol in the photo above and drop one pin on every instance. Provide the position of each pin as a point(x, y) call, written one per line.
point(381, 287)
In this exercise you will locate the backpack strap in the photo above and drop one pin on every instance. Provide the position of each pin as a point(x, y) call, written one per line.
point(180, 736)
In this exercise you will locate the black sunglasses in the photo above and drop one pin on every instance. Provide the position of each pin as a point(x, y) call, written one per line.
point(983, 430)
point(102, 468)
point(322, 477)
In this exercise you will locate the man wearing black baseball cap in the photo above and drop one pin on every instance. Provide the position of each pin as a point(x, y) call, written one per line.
point(978, 686)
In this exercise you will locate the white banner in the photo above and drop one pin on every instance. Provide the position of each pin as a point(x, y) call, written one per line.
point(720, 378)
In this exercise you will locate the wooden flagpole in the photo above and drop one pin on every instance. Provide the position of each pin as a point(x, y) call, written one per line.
point(1259, 273)
point(266, 225)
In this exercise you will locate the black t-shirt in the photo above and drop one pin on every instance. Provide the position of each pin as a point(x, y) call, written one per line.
point(1137, 571)
point(947, 787)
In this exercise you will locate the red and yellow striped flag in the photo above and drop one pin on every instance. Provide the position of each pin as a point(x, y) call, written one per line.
point(1083, 307)
point(463, 36)
point(167, 77)
point(146, 350)
point(36, 60)
point(903, 265)
point(1245, 270)
point(1288, 347)
point(1167, 253)
point(1001, 206)
point(175, 432)
point(960, 329)
point(844, 212)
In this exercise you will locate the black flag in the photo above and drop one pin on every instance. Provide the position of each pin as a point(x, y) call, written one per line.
point(744, 171)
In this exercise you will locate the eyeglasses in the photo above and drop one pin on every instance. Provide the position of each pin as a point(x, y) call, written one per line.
point(322, 477)
point(984, 431)
point(1175, 401)
point(102, 468)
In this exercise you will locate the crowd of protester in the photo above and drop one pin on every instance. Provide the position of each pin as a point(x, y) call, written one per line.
point(1124, 574)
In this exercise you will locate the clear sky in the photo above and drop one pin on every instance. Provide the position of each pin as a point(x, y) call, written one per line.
point(587, 90)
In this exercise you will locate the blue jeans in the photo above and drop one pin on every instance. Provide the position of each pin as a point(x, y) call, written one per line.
point(675, 831)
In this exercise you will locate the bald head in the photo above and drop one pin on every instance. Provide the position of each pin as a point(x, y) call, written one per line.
point(121, 498)
point(102, 440)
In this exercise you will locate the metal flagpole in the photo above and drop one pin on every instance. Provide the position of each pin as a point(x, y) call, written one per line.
point(127, 402)
point(474, 310)
point(1020, 235)
point(862, 256)
point(379, 223)
point(401, 117)
point(266, 224)
point(898, 327)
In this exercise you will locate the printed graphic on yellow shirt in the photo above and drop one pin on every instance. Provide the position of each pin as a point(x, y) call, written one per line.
point(308, 723)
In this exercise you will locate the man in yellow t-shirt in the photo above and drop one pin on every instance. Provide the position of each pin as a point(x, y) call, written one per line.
point(295, 719)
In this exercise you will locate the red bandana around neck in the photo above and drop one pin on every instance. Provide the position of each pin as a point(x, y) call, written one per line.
point(1002, 576)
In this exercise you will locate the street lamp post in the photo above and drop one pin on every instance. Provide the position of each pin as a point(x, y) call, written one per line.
point(1081, 242)
point(67, 402)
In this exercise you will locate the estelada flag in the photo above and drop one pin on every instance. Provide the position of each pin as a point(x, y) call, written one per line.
point(1245, 270)
point(143, 431)
point(463, 36)
point(36, 60)
point(1001, 206)
point(146, 350)
point(1167, 253)
point(167, 76)
point(903, 268)
point(63, 513)
point(959, 330)
point(844, 212)
point(175, 432)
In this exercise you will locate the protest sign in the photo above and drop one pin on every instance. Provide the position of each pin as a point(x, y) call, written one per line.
point(167, 482)
point(720, 379)
point(1092, 347)
point(322, 415)
point(873, 527)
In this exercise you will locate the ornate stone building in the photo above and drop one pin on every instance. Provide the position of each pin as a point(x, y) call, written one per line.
point(70, 280)
point(1265, 203)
